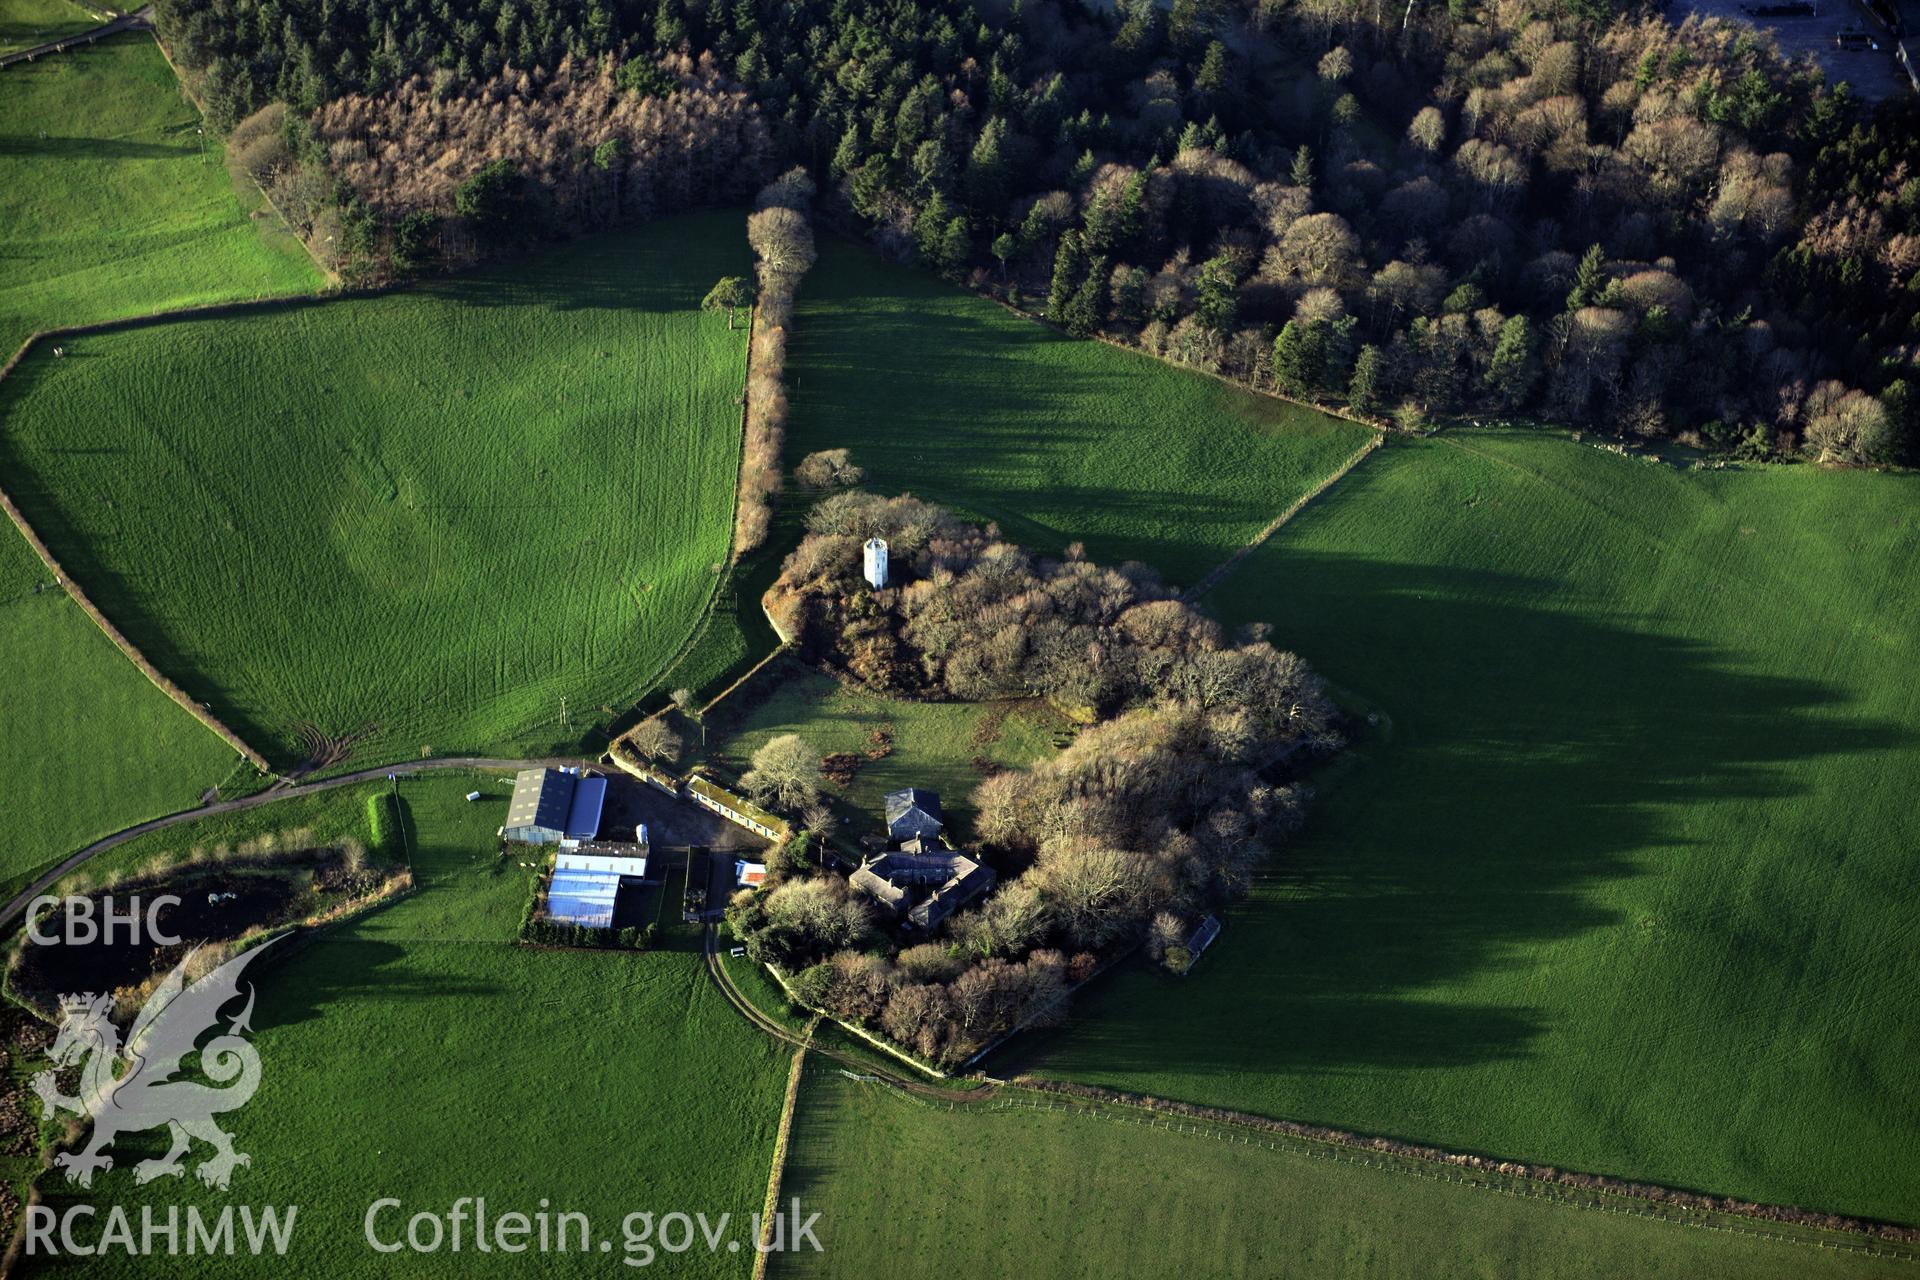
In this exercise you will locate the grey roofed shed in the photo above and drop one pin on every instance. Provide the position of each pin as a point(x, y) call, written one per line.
point(913, 812)
point(537, 814)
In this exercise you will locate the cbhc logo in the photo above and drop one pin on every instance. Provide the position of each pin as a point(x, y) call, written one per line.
point(87, 922)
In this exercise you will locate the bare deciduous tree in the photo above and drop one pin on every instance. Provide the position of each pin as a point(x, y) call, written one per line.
point(785, 773)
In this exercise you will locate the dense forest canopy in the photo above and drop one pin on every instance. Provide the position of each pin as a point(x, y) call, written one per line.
point(1559, 209)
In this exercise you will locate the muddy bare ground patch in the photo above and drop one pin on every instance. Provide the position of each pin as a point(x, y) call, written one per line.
point(208, 905)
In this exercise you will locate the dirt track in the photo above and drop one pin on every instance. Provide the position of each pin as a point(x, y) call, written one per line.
point(13, 909)
point(139, 20)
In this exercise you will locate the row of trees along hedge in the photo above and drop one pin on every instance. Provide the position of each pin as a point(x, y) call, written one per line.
point(1570, 208)
point(550, 933)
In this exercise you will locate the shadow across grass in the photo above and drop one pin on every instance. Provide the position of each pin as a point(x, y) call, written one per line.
point(950, 397)
point(1550, 755)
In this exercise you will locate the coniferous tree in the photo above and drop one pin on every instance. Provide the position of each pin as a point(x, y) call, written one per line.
point(1510, 372)
point(1366, 392)
point(1215, 301)
point(1068, 264)
point(1301, 171)
point(1589, 279)
point(1300, 356)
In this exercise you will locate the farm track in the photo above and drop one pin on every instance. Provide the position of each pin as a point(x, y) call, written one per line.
point(138, 20)
point(13, 910)
point(723, 983)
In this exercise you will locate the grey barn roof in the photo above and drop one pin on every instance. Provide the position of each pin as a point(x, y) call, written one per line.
point(541, 799)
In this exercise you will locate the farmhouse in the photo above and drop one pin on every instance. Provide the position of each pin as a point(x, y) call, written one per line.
point(913, 813)
point(550, 805)
point(925, 887)
point(736, 809)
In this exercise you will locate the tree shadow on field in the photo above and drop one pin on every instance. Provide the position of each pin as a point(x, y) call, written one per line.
point(965, 407)
point(644, 269)
point(56, 147)
point(815, 1165)
point(1537, 751)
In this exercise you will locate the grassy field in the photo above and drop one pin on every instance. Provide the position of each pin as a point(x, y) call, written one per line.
point(26, 23)
point(906, 1187)
point(420, 521)
point(415, 1053)
point(112, 203)
point(947, 396)
point(1623, 878)
point(107, 208)
point(87, 744)
point(934, 743)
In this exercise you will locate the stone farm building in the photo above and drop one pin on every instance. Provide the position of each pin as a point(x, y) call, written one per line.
point(739, 810)
point(924, 887)
point(551, 805)
point(922, 879)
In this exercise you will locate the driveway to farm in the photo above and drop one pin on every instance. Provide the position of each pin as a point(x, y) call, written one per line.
point(13, 909)
point(723, 983)
point(139, 20)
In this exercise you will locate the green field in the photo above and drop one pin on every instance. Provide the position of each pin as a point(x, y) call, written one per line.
point(114, 212)
point(415, 1053)
point(410, 523)
point(906, 1188)
point(26, 23)
point(113, 204)
point(934, 743)
point(89, 746)
point(947, 396)
point(1623, 879)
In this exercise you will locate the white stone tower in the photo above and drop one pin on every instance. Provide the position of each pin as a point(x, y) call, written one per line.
point(877, 562)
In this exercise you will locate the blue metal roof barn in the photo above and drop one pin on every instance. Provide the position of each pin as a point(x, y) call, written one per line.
point(583, 816)
point(586, 886)
point(550, 805)
point(583, 897)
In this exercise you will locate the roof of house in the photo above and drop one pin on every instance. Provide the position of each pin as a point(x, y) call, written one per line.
point(893, 879)
point(971, 879)
point(888, 894)
point(541, 798)
point(913, 811)
point(1202, 936)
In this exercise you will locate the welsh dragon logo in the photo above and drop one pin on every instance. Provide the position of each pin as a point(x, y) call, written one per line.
point(148, 1094)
